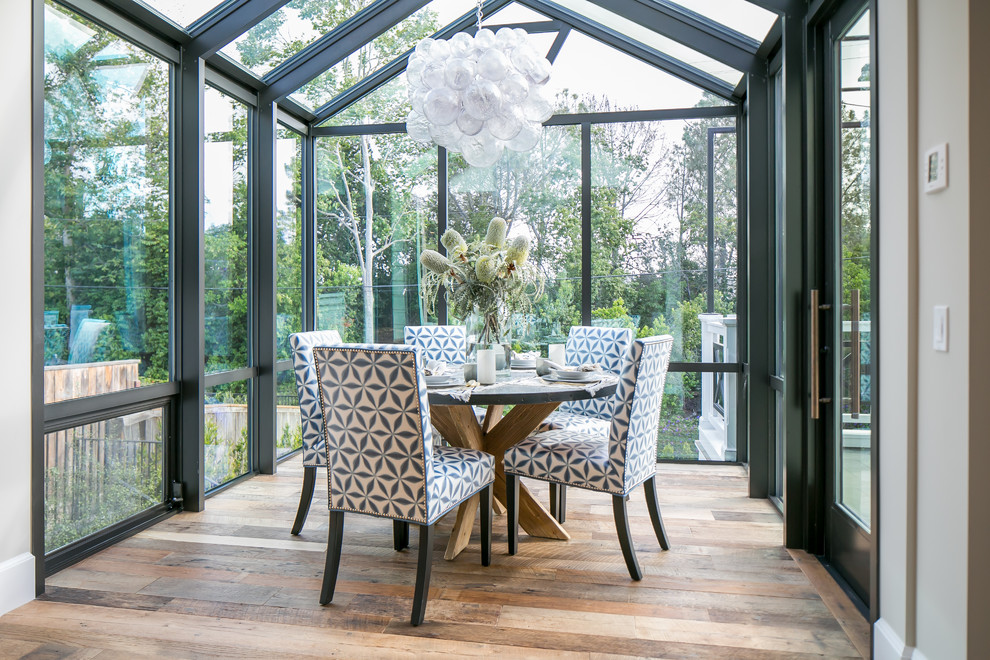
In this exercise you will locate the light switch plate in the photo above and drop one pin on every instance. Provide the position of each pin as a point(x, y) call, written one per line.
point(940, 328)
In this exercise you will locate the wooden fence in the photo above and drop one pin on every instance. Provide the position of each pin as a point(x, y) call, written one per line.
point(72, 381)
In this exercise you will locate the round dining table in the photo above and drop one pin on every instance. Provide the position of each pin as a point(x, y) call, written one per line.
point(531, 399)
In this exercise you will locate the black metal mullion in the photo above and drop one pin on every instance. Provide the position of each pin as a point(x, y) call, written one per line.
point(360, 129)
point(334, 46)
point(586, 227)
point(54, 413)
point(625, 116)
point(217, 29)
point(233, 376)
point(38, 295)
point(190, 307)
point(265, 273)
point(557, 44)
point(308, 246)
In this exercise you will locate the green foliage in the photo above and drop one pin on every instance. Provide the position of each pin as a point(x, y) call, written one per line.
point(108, 480)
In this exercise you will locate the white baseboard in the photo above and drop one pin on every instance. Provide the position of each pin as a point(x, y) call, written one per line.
point(887, 644)
point(16, 582)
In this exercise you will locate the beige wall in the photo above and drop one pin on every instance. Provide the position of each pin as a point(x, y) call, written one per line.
point(978, 623)
point(15, 329)
point(934, 250)
point(898, 311)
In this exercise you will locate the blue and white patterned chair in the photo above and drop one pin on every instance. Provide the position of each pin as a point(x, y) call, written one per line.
point(447, 343)
point(308, 386)
point(381, 457)
point(616, 463)
point(608, 348)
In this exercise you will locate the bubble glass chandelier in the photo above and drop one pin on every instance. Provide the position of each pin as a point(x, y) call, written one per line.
point(478, 95)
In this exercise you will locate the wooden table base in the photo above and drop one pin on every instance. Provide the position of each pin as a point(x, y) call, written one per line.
point(459, 426)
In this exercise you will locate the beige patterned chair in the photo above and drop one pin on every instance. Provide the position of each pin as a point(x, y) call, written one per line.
point(381, 458)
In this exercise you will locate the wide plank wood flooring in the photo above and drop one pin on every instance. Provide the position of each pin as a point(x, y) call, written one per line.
point(232, 582)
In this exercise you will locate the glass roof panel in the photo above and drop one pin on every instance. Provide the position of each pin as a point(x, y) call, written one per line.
point(182, 12)
point(390, 102)
point(288, 31)
point(739, 15)
point(515, 13)
point(654, 40)
point(577, 82)
point(382, 50)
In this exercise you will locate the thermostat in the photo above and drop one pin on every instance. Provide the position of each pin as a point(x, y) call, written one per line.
point(935, 168)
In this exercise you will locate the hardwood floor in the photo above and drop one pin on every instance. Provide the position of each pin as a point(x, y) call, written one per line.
point(232, 582)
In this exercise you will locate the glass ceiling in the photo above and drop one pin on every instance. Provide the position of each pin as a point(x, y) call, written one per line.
point(288, 31)
point(739, 15)
point(631, 84)
point(654, 40)
point(299, 23)
point(183, 12)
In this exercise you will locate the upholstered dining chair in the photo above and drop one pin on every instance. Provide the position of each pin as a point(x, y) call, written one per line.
point(307, 385)
point(381, 457)
point(616, 463)
point(447, 343)
point(606, 347)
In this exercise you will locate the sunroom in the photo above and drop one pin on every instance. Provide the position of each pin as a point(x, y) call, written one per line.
point(216, 179)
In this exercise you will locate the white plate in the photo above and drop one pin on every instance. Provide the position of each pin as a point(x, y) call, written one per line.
point(442, 379)
point(524, 364)
point(574, 376)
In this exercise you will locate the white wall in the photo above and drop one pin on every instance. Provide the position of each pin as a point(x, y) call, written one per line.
point(16, 562)
point(934, 250)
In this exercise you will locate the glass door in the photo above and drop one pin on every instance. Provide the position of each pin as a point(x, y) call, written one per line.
point(848, 304)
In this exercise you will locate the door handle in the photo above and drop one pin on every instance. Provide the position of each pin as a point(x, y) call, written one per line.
point(816, 398)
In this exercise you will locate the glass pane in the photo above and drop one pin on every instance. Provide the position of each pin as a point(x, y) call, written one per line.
point(106, 315)
point(854, 268)
point(382, 50)
point(539, 193)
point(182, 12)
point(225, 243)
point(227, 438)
point(389, 103)
point(368, 268)
point(288, 244)
point(654, 40)
point(514, 13)
point(99, 474)
point(651, 267)
point(287, 417)
point(630, 84)
point(739, 15)
point(287, 31)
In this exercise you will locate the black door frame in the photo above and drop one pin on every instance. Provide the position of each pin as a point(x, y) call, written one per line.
point(827, 22)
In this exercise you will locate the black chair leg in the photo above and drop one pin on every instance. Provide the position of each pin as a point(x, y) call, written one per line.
point(653, 504)
point(400, 534)
point(423, 568)
point(558, 502)
point(334, 542)
point(625, 538)
point(486, 525)
point(512, 507)
point(305, 499)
